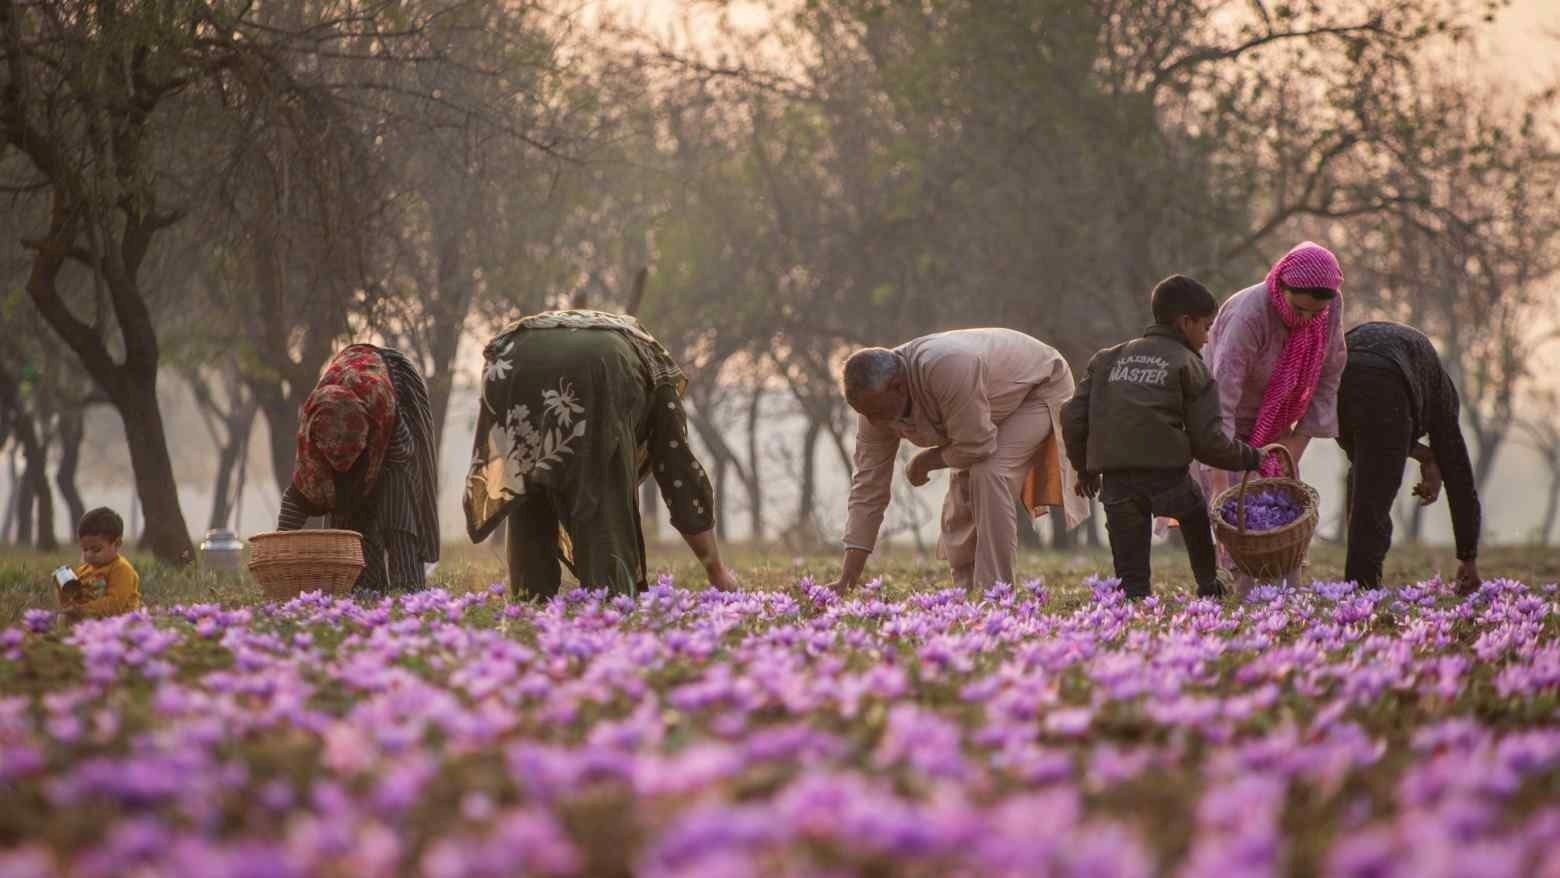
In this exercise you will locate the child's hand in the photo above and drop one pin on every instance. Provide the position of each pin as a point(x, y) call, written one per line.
point(1088, 485)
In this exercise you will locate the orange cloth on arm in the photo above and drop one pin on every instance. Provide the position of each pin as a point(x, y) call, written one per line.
point(113, 588)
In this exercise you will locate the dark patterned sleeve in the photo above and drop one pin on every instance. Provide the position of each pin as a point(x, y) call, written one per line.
point(415, 443)
point(684, 485)
point(400, 448)
point(296, 510)
point(1451, 458)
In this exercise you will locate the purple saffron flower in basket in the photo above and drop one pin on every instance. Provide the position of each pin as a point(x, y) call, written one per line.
point(1267, 509)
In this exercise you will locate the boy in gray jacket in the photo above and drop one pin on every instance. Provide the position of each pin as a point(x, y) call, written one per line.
point(1144, 412)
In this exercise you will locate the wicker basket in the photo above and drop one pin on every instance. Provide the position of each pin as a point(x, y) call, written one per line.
point(288, 563)
point(1268, 554)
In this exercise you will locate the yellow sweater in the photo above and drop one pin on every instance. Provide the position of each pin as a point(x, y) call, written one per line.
point(109, 590)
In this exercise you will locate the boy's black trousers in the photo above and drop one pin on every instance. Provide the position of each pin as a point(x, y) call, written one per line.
point(1132, 498)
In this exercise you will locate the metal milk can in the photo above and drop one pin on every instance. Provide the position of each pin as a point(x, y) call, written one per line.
point(221, 550)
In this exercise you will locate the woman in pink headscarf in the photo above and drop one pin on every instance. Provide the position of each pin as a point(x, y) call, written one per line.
point(1277, 352)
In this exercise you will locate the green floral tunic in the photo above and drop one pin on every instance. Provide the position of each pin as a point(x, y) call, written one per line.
point(577, 408)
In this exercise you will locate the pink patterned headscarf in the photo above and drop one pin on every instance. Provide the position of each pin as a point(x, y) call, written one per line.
point(1293, 383)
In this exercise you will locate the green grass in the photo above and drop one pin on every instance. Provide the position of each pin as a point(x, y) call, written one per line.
point(25, 582)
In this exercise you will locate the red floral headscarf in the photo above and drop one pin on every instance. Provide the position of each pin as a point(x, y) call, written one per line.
point(350, 413)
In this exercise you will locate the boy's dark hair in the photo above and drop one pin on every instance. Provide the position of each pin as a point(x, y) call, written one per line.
point(101, 522)
point(1179, 296)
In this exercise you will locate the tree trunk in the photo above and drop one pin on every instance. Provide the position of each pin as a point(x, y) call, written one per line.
point(649, 512)
point(838, 441)
point(22, 508)
point(649, 494)
point(232, 451)
point(1552, 505)
point(720, 497)
point(43, 495)
point(806, 522)
point(1348, 505)
point(14, 502)
point(285, 383)
point(440, 388)
point(221, 507)
point(1028, 537)
point(281, 421)
point(131, 385)
point(165, 532)
point(72, 431)
point(1490, 441)
point(724, 460)
point(456, 291)
point(1062, 539)
point(243, 481)
point(1346, 491)
point(1414, 533)
point(11, 414)
point(39, 497)
point(754, 481)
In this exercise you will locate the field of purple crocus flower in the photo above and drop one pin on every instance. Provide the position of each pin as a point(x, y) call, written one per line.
point(790, 731)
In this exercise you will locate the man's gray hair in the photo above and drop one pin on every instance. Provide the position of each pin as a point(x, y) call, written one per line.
point(869, 370)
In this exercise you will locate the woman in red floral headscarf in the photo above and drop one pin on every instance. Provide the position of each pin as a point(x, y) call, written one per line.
point(366, 460)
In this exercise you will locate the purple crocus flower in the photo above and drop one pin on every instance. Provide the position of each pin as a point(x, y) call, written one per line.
point(38, 621)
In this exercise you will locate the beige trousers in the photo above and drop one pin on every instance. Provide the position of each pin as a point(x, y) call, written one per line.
point(980, 513)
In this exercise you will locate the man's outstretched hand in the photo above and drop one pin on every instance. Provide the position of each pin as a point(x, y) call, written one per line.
point(850, 570)
point(707, 550)
point(919, 470)
point(1429, 487)
point(722, 579)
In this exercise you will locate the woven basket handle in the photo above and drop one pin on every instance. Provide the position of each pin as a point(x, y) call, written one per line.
point(1287, 456)
point(1241, 500)
point(1294, 473)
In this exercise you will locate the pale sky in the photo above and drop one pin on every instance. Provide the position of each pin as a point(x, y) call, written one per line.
point(1527, 37)
point(1524, 41)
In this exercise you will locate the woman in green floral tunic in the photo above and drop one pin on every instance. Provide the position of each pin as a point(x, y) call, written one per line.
point(577, 408)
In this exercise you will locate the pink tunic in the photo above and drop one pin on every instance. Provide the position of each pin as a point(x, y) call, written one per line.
point(1243, 349)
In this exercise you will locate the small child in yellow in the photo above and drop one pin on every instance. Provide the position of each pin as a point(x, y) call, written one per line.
point(107, 585)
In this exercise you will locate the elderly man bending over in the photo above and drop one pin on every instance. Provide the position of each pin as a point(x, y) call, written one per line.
point(983, 402)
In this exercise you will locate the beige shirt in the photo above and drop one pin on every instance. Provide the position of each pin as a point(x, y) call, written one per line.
point(963, 384)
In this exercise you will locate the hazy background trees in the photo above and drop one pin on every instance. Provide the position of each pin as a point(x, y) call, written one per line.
point(218, 195)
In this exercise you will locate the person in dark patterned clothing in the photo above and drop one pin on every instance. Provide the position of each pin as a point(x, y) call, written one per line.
point(578, 407)
point(366, 461)
point(1393, 392)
